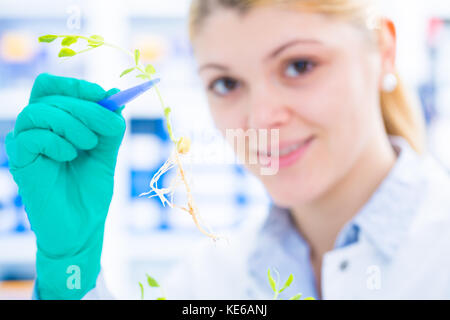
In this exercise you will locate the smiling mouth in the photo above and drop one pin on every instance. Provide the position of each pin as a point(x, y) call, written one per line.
point(285, 148)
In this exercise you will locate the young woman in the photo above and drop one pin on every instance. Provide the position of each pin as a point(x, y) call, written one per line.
point(359, 209)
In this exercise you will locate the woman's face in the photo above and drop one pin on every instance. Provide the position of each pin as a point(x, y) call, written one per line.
point(314, 78)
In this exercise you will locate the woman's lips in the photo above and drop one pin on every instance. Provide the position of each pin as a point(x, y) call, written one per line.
point(288, 153)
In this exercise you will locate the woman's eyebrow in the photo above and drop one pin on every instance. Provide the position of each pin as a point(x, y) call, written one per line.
point(290, 44)
point(270, 56)
point(214, 66)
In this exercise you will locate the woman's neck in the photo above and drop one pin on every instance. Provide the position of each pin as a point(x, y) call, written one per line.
point(319, 222)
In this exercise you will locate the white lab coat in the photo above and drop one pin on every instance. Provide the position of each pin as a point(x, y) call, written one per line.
point(419, 270)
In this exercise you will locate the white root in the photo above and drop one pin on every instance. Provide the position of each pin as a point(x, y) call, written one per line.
point(164, 193)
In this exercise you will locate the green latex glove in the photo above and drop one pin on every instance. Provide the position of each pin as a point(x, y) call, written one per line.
point(62, 155)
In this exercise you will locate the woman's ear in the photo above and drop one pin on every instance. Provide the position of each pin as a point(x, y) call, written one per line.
point(387, 39)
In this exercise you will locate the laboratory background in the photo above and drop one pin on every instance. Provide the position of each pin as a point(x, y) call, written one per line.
point(142, 236)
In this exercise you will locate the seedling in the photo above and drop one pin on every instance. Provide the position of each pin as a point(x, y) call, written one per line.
point(181, 145)
point(276, 287)
point(152, 283)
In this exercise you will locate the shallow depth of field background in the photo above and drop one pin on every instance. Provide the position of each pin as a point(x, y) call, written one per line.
point(141, 235)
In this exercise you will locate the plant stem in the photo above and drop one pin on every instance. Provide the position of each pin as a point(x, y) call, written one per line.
point(141, 68)
point(275, 296)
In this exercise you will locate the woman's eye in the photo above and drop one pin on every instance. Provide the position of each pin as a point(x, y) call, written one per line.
point(223, 86)
point(299, 67)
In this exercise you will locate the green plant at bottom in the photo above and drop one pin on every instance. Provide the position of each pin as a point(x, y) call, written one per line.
point(152, 283)
point(274, 284)
point(276, 287)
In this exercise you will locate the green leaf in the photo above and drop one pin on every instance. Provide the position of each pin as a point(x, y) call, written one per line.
point(271, 281)
point(167, 111)
point(287, 283)
point(95, 45)
point(126, 72)
point(142, 290)
point(67, 41)
point(143, 76)
point(309, 298)
point(161, 298)
point(296, 297)
point(136, 56)
point(150, 69)
point(47, 38)
point(95, 41)
point(66, 52)
point(97, 38)
point(152, 282)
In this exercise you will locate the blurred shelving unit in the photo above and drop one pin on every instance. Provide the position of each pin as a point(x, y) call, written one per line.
point(141, 236)
point(438, 85)
point(21, 59)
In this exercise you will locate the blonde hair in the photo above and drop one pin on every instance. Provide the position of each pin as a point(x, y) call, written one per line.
point(400, 112)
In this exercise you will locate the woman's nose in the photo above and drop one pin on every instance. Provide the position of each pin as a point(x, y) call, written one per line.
point(267, 109)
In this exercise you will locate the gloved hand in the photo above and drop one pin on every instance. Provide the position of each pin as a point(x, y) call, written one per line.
point(62, 155)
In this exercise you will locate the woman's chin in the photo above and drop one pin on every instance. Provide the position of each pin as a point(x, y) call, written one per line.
point(285, 190)
point(288, 197)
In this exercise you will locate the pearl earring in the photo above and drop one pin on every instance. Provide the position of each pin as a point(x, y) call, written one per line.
point(390, 82)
